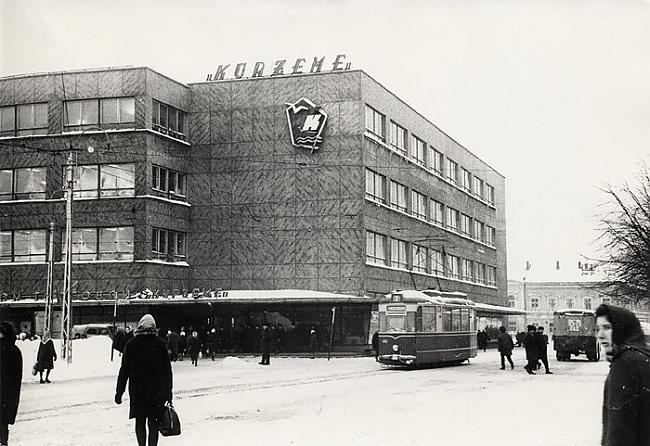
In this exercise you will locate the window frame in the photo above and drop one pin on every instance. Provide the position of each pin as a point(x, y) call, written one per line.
point(99, 191)
point(161, 182)
point(372, 188)
point(15, 128)
point(376, 128)
point(398, 196)
point(418, 205)
point(34, 194)
point(378, 255)
point(398, 253)
point(30, 256)
point(99, 254)
point(451, 167)
point(398, 137)
point(161, 122)
point(97, 113)
point(418, 150)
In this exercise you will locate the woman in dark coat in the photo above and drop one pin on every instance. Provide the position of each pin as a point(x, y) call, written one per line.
point(626, 401)
point(11, 373)
point(45, 357)
point(146, 367)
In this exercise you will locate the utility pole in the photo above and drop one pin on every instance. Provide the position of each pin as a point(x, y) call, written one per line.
point(66, 304)
point(49, 298)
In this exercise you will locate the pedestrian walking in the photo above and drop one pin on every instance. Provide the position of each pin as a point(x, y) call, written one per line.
point(193, 348)
point(313, 342)
point(212, 342)
point(505, 345)
point(147, 369)
point(128, 334)
point(172, 344)
point(626, 399)
point(482, 340)
point(45, 357)
point(182, 343)
point(375, 345)
point(531, 350)
point(541, 341)
point(266, 338)
point(11, 374)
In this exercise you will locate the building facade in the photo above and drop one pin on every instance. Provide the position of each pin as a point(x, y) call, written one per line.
point(198, 187)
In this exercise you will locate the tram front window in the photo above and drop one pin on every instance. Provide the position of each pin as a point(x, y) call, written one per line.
point(395, 322)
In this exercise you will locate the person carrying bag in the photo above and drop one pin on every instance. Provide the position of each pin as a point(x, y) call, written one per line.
point(169, 425)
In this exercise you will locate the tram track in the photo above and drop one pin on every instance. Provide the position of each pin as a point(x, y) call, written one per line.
point(107, 404)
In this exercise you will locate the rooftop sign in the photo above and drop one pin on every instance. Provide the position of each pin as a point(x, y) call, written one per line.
point(280, 67)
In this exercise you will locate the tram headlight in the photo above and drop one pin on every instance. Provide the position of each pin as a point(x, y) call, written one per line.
point(395, 347)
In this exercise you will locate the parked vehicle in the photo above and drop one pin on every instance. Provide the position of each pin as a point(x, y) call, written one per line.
point(87, 330)
point(574, 333)
point(424, 328)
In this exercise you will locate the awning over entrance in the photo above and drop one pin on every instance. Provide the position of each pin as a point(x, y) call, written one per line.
point(497, 310)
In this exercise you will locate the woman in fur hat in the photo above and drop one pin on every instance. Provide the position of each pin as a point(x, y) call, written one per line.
point(146, 367)
point(45, 357)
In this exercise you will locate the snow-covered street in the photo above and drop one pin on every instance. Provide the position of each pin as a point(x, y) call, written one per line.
point(300, 401)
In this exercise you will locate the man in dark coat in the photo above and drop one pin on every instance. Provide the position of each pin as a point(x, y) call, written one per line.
point(212, 342)
point(531, 350)
point(119, 340)
point(541, 340)
point(375, 345)
point(146, 367)
point(504, 345)
point(194, 348)
point(266, 338)
point(11, 374)
point(626, 401)
point(172, 344)
point(313, 342)
point(482, 340)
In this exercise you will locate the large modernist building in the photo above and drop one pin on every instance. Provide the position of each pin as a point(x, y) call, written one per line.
point(199, 187)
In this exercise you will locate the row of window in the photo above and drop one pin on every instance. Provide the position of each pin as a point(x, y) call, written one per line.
point(29, 245)
point(409, 145)
point(91, 181)
point(552, 303)
point(420, 206)
point(31, 119)
point(411, 256)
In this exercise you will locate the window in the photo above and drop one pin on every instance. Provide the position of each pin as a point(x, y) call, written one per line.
point(168, 181)
point(375, 186)
point(397, 137)
point(104, 180)
point(437, 262)
point(605, 300)
point(428, 318)
point(466, 180)
point(375, 122)
point(587, 303)
point(467, 269)
point(480, 272)
point(491, 273)
point(551, 304)
point(436, 212)
point(569, 302)
point(168, 120)
point(489, 194)
point(398, 254)
point(418, 205)
point(102, 243)
point(452, 218)
point(479, 228)
point(25, 119)
point(168, 245)
point(22, 184)
point(398, 196)
point(478, 187)
point(418, 150)
point(23, 245)
point(511, 300)
point(93, 112)
point(435, 160)
point(465, 225)
point(534, 303)
point(375, 248)
point(452, 171)
point(453, 266)
point(419, 258)
point(490, 233)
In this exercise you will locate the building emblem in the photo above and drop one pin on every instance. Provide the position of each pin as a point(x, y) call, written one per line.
point(306, 124)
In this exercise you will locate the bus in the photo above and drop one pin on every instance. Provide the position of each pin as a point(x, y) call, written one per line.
point(575, 333)
point(425, 328)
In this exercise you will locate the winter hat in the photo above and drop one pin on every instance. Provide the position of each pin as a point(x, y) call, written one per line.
point(147, 321)
point(8, 332)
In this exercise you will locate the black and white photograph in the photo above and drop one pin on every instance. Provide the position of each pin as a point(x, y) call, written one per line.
point(337, 222)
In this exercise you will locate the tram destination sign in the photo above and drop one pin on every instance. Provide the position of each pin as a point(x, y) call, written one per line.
point(280, 67)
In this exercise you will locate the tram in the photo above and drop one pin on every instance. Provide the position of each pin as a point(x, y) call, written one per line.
point(425, 328)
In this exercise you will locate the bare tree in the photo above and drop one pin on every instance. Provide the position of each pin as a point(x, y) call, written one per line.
point(626, 242)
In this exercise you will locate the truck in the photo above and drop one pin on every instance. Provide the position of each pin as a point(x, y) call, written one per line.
point(575, 333)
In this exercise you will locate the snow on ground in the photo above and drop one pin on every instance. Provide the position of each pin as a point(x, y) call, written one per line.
point(300, 401)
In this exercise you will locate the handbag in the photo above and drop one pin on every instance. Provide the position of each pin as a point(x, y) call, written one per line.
point(35, 369)
point(169, 425)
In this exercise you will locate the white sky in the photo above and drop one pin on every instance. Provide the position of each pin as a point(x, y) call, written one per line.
point(555, 95)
